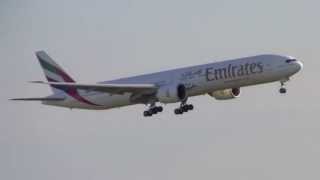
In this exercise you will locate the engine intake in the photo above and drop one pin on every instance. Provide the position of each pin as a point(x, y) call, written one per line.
point(225, 94)
point(172, 93)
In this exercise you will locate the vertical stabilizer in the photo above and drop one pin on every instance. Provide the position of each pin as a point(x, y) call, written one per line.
point(52, 71)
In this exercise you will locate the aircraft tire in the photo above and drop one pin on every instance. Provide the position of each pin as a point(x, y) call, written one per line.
point(147, 114)
point(283, 90)
point(178, 111)
point(159, 108)
point(190, 107)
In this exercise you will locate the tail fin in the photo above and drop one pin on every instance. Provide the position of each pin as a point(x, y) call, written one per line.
point(52, 71)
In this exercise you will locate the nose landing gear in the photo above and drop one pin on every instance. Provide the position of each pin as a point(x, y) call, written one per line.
point(283, 90)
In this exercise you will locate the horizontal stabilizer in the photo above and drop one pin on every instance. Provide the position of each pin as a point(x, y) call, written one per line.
point(38, 99)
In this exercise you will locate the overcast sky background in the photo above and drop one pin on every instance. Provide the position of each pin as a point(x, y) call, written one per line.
point(261, 135)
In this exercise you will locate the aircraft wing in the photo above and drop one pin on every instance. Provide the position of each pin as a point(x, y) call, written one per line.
point(107, 88)
point(38, 99)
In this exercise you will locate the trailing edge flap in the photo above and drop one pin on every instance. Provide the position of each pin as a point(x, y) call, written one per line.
point(107, 88)
point(38, 99)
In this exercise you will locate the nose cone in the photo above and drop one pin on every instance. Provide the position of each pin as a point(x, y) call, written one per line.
point(298, 65)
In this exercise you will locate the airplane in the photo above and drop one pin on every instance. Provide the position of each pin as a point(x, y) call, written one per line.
point(221, 80)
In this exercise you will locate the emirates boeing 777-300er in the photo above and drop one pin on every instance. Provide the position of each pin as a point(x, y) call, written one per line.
point(221, 80)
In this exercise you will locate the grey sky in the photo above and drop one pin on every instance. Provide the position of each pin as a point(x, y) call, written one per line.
point(262, 135)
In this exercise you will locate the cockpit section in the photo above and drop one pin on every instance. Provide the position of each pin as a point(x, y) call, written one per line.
point(290, 60)
point(293, 64)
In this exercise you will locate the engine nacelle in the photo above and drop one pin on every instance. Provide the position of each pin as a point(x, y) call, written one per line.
point(172, 93)
point(225, 94)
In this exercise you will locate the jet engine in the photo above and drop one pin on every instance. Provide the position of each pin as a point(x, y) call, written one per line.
point(172, 93)
point(225, 94)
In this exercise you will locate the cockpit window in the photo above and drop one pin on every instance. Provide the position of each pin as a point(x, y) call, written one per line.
point(290, 60)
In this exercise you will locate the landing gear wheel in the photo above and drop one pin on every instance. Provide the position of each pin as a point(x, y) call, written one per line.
point(282, 90)
point(152, 110)
point(178, 111)
point(190, 107)
point(159, 108)
point(147, 114)
point(185, 108)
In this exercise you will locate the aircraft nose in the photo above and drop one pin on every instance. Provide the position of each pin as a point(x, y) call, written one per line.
point(298, 65)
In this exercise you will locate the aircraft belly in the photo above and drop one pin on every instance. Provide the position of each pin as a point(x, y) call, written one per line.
point(109, 101)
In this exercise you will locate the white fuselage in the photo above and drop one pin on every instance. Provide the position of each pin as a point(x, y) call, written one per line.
point(198, 80)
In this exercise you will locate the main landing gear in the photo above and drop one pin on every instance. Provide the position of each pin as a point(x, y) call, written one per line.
point(152, 110)
point(283, 90)
point(184, 107)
